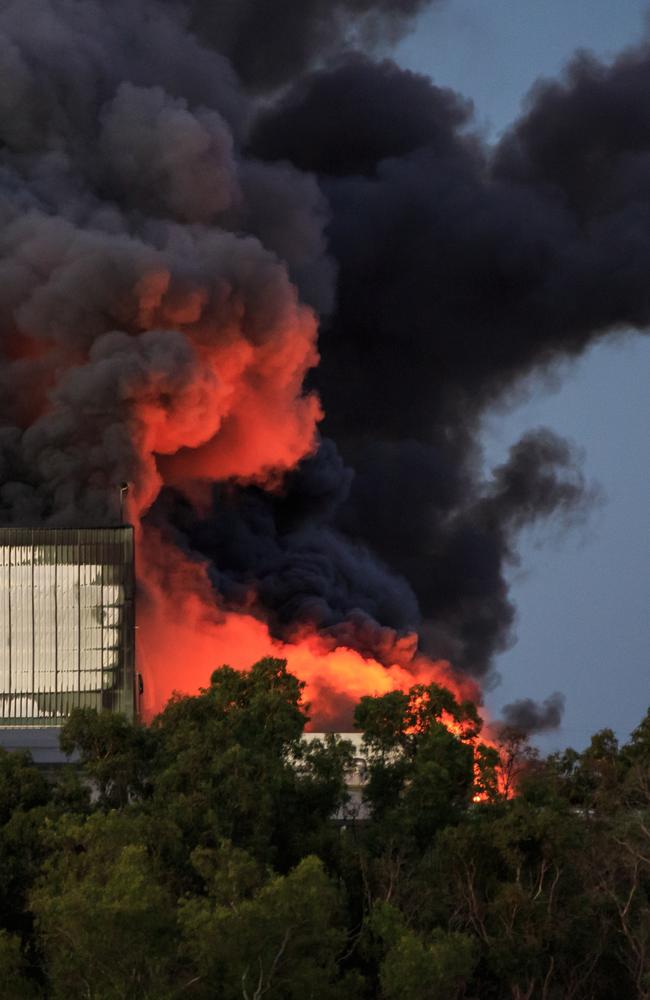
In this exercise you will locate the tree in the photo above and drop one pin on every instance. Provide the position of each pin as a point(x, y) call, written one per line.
point(281, 941)
point(105, 923)
point(517, 878)
point(637, 748)
point(14, 982)
point(420, 773)
point(116, 754)
point(420, 779)
point(437, 967)
point(231, 765)
point(434, 964)
point(601, 771)
point(399, 719)
point(210, 862)
point(24, 799)
point(22, 786)
point(516, 758)
point(620, 869)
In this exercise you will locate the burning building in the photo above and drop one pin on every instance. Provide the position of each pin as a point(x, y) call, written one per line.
point(67, 631)
point(186, 192)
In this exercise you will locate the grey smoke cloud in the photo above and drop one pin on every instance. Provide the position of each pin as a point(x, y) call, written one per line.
point(531, 717)
point(135, 238)
point(164, 156)
point(271, 46)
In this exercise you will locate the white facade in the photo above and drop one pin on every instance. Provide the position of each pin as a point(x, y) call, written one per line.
point(66, 623)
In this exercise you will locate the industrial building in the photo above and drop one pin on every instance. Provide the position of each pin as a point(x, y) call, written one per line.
point(67, 630)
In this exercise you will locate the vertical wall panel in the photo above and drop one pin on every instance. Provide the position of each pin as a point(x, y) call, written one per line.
point(5, 631)
point(67, 634)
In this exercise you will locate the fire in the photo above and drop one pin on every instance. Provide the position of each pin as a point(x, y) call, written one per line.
point(184, 636)
point(240, 413)
point(196, 376)
point(236, 410)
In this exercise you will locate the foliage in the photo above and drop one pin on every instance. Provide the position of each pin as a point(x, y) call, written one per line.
point(21, 785)
point(116, 754)
point(281, 942)
point(437, 968)
point(14, 984)
point(105, 923)
point(213, 854)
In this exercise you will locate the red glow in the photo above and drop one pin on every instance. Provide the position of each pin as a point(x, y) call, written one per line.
point(184, 636)
point(239, 413)
point(19, 346)
point(34, 369)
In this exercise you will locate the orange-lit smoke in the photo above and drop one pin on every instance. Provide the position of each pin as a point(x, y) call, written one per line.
point(184, 636)
point(242, 415)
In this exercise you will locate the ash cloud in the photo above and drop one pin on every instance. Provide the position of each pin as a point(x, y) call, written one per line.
point(182, 181)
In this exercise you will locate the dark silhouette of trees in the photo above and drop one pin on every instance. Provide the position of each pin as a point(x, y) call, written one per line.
point(215, 853)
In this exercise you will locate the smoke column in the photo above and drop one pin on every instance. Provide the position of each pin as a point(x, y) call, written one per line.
point(273, 281)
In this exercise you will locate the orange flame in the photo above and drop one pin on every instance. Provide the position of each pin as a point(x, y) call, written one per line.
point(184, 636)
point(244, 416)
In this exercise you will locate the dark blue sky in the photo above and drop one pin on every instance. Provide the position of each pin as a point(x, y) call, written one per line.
point(583, 599)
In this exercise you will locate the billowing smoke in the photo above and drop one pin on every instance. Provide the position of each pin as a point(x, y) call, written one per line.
point(187, 192)
point(528, 716)
point(269, 47)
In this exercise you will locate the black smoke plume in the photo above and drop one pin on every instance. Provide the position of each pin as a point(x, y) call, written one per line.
point(269, 45)
point(230, 151)
point(530, 717)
